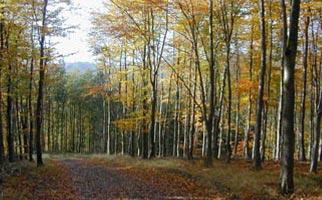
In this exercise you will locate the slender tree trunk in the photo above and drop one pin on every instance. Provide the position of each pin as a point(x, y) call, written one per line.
point(228, 147)
point(152, 117)
point(25, 127)
point(312, 103)
point(116, 138)
point(73, 127)
point(302, 156)
point(250, 105)
point(186, 130)
point(211, 110)
point(31, 115)
point(238, 104)
point(144, 136)
point(278, 141)
point(104, 123)
point(49, 124)
point(192, 122)
point(40, 99)
point(165, 123)
point(317, 77)
point(261, 88)
point(267, 122)
point(160, 123)
point(109, 139)
point(315, 148)
point(287, 163)
point(10, 138)
point(179, 124)
point(1, 109)
point(18, 125)
point(176, 120)
point(132, 136)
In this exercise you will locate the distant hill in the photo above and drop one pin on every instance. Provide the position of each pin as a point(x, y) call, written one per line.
point(80, 66)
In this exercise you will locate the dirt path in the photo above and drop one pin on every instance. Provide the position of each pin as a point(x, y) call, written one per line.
point(95, 181)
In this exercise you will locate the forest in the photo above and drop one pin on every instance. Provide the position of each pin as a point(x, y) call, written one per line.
point(209, 99)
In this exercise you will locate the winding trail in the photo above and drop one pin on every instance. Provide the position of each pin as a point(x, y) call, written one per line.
point(94, 181)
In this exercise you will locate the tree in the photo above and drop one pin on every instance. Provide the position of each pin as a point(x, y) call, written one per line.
point(1, 69)
point(302, 156)
point(290, 45)
point(30, 102)
point(40, 99)
point(261, 88)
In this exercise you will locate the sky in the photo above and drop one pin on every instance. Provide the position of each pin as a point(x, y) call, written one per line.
point(76, 42)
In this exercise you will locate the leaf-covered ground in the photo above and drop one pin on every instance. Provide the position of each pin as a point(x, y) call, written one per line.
point(91, 179)
point(94, 179)
point(236, 180)
point(51, 182)
point(117, 177)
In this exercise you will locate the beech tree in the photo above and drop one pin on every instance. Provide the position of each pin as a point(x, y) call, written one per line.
point(290, 50)
point(261, 86)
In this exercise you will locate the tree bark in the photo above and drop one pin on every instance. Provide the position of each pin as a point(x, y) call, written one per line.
point(176, 120)
point(250, 103)
point(302, 156)
point(40, 99)
point(316, 140)
point(1, 68)
point(10, 138)
point(287, 162)
point(261, 87)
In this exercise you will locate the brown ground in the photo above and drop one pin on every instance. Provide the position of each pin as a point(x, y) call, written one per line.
point(90, 179)
point(95, 177)
point(97, 181)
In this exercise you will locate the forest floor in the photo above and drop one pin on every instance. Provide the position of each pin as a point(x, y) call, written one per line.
point(99, 177)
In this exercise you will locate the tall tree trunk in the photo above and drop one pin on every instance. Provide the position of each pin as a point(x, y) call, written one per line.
point(165, 123)
point(62, 121)
point(25, 127)
point(160, 124)
point(261, 88)
point(279, 133)
point(312, 105)
point(287, 163)
point(317, 74)
point(192, 129)
point(268, 124)
point(179, 124)
point(40, 99)
point(228, 147)
point(31, 114)
point(316, 140)
point(144, 133)
point(250, 103)
point(152, 117)
point(10, 138)
point(108, 105)
point(109, 139)
point(302, 156)
point(209, 119)
point(104, 140)
point(50, 125)
point(73, 127)
point(176, 120)
point(238, 102)
point(1, 68)
point(132, 136)
point(18, 125)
